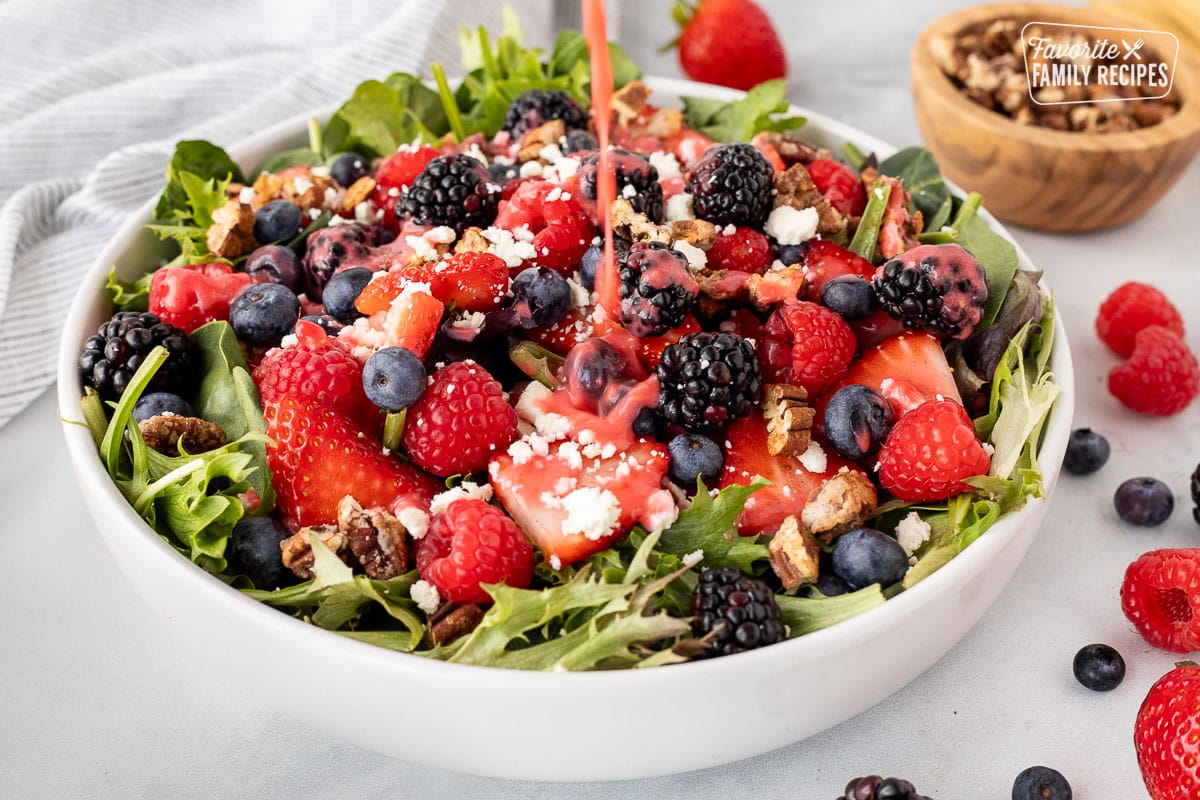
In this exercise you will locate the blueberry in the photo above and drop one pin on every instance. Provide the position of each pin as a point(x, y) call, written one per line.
point(1087, 451)
point(253, 551)
point(1144, 501)
point(393, 378)
point(347, 168)
point(648, 423)
point(540, 296)
point(592, 257)
point(790, 254)
point(864, 556)
point(277, 220)
point(1041, 783)
point(590, 367)
point(830, 585)
point(580, 141)
point(1099, 667)
point(264, 313)
point(341, 292)
point(327, 323)
point(155, 403)
point(857, 420)
point(274, 263)
point(851, 296)
point(694, 456)
point(504, 173)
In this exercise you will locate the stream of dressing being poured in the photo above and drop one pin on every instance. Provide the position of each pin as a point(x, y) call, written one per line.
point(607, 283)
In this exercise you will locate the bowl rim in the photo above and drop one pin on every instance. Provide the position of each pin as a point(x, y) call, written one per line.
point(96, 485)
point(1181, 126)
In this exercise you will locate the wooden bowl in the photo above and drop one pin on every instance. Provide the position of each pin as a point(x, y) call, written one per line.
point(1039, 177)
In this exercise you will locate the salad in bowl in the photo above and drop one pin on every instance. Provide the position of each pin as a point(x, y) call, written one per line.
point(420, 383)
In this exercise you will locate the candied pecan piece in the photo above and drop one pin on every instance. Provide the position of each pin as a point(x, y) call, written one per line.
point(165, 432)
point(839, 504)
point(232, 231)
point(794, 555)
point(789, 419)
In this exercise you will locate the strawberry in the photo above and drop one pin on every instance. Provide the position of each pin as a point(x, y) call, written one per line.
point(839, 184)
point(317, 456)
point(317, 370)
point(1166, 734)
point(469, 281)
point(459, 421)
point(188, 297)
point(1130, 308)
point(471, 543)
point(1161, 597)
point(569, 331)
point(930, 451)
point(791, 480)
point(822, 260)
point(395, 173)
point(710, 52)
point(409, 320)
point(821, 345)
point(575, 500)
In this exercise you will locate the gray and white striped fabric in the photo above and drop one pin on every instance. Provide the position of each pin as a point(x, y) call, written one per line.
point(94, 95)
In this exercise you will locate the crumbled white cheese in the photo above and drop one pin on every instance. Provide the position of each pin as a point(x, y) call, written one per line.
point(989, 449)
point(552, 426)
point(561, 169)
point(679, 207)
point(813, 459)
point(777, 265)
point(364, 212)
point(504, 244)
point(470, 319)
point(531, 169)
point(592, 511)
point(696, 258)
point(467, 490)
point(580, 296)
point(629, 192)
point(290, 340)
point(520, 452)
point(442, 234)
point(527, 406)
point(666, 164)
point(426, 596)
point(321, 172)
point(415, 521)
point(912, 532)
point(302, 184)
point(568, 453)
point(556, 564)
point(693, 558)
point(246, 195)
point(790, 226)
point(422, 248)
point(474, 152)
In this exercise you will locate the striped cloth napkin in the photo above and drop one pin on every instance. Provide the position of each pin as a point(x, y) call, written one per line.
point(94, 95)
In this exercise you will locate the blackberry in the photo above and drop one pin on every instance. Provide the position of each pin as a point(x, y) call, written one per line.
point(934, 287)
point(456, 191)
point(536, 107)
point(637, 181)
point(1196, 494)
point(657, 289)
point(731, 184)
point(708, 379)
point(119, 346)
point(739, 612)
point(330, 249)
point(875, 787)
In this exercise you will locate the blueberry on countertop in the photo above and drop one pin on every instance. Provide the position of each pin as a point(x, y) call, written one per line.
point(1087, 451)
point(1144, 501)
point(1099, 667)
point(1041, 783)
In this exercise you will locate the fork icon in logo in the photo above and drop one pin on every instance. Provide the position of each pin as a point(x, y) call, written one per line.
point(1132, 49)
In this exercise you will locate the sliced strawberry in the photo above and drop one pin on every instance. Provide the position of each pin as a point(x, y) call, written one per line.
point(409, 320)
point(187, 297)
point(576, 500)
point(469, 281)
point(566, 333)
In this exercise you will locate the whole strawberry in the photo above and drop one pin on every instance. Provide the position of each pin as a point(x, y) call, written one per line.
point(317, 369)
point(930, 451)
point(1161, 596)
point(471, 543)
point(1166, 735)
point(728, 42)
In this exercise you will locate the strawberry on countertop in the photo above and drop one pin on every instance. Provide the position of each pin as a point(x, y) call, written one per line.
point(728, 42)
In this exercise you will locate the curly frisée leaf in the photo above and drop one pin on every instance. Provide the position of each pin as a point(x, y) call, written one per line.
point(709, 525)
point(132, 296)
point(807, 614)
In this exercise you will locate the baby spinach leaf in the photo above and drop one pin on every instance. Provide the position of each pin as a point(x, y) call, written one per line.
point(203, 160)
point(916, 169)
point(764, 108)
point(382, 115)
point(297, 156)
point(995, 254)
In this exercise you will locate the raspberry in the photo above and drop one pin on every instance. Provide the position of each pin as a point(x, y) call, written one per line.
point(745, 250)
point(822, 344)
point(1130, 308)
point(930, 451)
point(561, 227)
point(322, 373)
point(1161, 597)
point(459, 422)
point(470, 543)
point(840, 186)
point(1161, 376)
point(396, 173)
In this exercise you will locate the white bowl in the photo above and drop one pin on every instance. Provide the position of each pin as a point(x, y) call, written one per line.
point(545, 726)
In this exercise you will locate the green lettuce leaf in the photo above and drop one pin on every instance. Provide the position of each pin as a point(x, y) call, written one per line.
point(708, 525)
point(916, 169)
point(764, 108)
point(807, 614)
point(132, 296)
point(382, 115)
point(204, 161)
point(187, 224)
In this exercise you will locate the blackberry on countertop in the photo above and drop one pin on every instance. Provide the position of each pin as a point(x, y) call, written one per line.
point(657, 289)
point(455, 190)
point(637, 181)
point(937, 287)
point(875, 787)
point(708, 380)
point(739, 612)
point(119, 346)
point(536, 107)
point(731, 184)
point(1196, 494)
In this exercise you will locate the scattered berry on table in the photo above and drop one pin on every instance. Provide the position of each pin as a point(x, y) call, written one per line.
point(253, 550)
point(459, 422)
point(540, 296)
point(1161, 376)
point(348, 168)
point(1130, 308)
point(1087, 451)
point(732, 184)
point(343, 290)
point(393, 378)
point(857, 421)
point(470, 543)
point(937, 287)
point(1144, 501)
point(821, 347)
point(188, 297)
point(929, 452)
point(1161, 595)
point(851, 296)
point(709, 53)
point(876, 787)
point(864, 556)
point(708, 380)
point(274, 263)
point(264, 313)
point(839, 184)
point(694, 456)
point(739, 612)
point(536, 107)
point(329, 250)
point(119, 346)
point(1041, 783)
point(637, 181)
point(744, 249)
point(1166, 734)
point(276, 221)
point(1195, 489)
point(456, 191)
point(1099, 667)
point(657, 289)
point(320, 371)
point(154, 403)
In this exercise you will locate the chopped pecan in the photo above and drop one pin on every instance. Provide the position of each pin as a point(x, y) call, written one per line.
point(723, 284)
point(267, 187)
point(534, 140)
point(794, 187)
point(358, 192)
point(297, 550)
point(636, 226)
point(793, 150)
point(165, 432)
point(232, 231)
point(664, 123)
point(775, 286)
point(789, 419)
point(839, 504)
point(310, 191)
point(452, 622)
point(629, 100)
point(471, 241)
point(376, 538)
point(696, 232)
point(794, 555)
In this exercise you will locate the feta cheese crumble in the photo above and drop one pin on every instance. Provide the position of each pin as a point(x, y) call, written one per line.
point(679, 207)
point(912, 532)
point(425, 595)
point(591, 511)
point(813, 459)
point(790, 226)
point(467, 490)
point(415, 521)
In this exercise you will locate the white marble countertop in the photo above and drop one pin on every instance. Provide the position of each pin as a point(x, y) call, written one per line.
point(99, 700)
